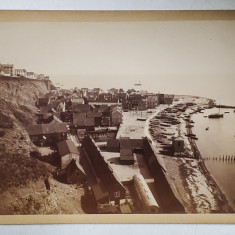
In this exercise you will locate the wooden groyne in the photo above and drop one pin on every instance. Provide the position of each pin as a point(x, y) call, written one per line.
point(222, 158)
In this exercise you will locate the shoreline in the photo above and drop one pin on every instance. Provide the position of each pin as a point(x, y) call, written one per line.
point(199, 192)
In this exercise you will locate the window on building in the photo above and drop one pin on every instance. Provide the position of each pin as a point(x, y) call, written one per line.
point(117, 194)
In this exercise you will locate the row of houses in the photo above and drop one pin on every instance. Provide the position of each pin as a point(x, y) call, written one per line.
point(9, 70)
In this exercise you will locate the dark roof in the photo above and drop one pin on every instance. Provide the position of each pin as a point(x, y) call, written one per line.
point(81, 107)
point(80, 119)
point(35, 129)
point(40, 129)
point(113, 143)
point(125, 142)
point(93, 114)
point(99, 192)
point(65, 147)
point(90, 122)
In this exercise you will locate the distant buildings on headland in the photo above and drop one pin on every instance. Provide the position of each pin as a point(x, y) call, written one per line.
point(128, 100)
point(10, 71)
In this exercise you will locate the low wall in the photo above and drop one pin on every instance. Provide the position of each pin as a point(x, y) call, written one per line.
point(167, 200)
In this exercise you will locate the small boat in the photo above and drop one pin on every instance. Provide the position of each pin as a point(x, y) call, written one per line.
point(141, 119)
point(216, 115)
point(207, 128)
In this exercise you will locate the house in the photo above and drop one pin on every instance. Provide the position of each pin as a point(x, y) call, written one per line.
point(126, 151)
point(30, 75)
point(97, 117)
point(81, 108)
point(43, 101)
point(165, 98)
point(122, 96)
point(168, 99)
point(41, 76)
point(47, 133)
point(105, 121)
point(91, 96)
point(178, 145)
point(67, 151)
point(116, 116)
point(142, 105)
point(21, 73)
point(81, 120)
point(152, 101)
point(110, 187)
point(126, 105)
point(75, 173)
point(105, 97)
point(7, 69)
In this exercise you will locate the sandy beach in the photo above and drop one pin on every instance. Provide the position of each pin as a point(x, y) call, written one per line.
point(187, 174)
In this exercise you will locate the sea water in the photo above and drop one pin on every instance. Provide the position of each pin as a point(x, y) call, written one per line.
point(216, 145)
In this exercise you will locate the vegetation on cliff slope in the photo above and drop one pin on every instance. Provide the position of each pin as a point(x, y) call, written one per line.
point(22, 177)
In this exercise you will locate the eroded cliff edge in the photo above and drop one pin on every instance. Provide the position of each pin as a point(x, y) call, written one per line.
point(22, 187)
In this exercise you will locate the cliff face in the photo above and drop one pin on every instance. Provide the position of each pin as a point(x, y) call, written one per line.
point(19, 96)
point(22, 188)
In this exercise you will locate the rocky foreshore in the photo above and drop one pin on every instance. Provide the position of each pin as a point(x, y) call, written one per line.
point(186, 172)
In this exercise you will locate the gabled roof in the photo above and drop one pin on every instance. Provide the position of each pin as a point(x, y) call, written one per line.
point(94, 114)
point(43, 129)
point(35, 129)
point(66, 147)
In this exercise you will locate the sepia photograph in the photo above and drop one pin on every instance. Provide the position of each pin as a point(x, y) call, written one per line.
point(117, 113)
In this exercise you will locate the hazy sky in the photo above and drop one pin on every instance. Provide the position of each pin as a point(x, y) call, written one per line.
point(184, 57)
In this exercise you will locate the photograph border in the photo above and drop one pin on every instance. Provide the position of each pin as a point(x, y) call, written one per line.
point(115, 16)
